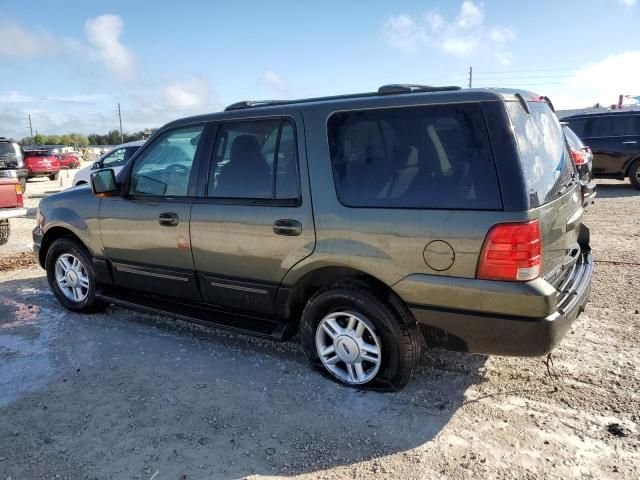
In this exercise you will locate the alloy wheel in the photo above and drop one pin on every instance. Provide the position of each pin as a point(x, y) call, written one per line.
point(72, 277)
point(348, 347)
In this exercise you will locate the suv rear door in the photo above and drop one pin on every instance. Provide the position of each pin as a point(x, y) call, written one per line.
point(146, 231)
point(552, 185)
point(253, 220)
point(614, 139)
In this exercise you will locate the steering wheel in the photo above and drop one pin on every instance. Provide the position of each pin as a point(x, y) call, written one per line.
point(177, 168)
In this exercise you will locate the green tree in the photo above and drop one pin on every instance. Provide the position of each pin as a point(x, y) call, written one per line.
point(39, 139)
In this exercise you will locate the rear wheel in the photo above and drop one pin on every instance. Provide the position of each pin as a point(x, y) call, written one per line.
point(5, 231)
point(71, 276)
point(634, 174)
point(359, 339)
point(55, 176)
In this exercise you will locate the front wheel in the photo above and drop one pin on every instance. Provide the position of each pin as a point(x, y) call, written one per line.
point(71, 276)
point(359, 339)
point(634, 174)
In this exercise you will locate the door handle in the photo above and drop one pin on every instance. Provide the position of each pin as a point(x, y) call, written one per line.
point(168, 219)
point(287, 227)
point(630, 142)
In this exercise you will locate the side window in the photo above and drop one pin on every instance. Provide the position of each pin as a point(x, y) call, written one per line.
point(165, 167)
point(254, 160)
point(115, 159)
point(577, 126)
point(417, 157)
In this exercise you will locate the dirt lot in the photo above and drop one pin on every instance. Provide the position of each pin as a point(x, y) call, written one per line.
point(128, 395)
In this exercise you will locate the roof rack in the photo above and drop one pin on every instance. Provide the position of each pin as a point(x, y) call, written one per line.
point(383, 90)
point(413, 88)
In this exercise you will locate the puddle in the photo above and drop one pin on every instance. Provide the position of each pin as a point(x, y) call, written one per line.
point(26, 335)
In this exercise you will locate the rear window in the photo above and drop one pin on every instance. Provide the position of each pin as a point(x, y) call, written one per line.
point(37, 153)
point(572, 139)
point(545, 160)
point(436, 157)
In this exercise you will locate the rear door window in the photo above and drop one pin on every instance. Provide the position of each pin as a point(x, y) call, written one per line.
point(546, 163)
point(435, 157)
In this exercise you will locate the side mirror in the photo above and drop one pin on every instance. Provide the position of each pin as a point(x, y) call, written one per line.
point(103, 182)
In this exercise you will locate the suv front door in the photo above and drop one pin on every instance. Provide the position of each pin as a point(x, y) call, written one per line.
point(254, 220)
point(146, 231)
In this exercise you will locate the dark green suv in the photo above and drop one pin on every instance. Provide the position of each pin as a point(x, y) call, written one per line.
point(371, 224)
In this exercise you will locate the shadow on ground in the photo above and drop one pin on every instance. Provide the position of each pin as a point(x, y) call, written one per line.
point(616, 190)
point(122, 394)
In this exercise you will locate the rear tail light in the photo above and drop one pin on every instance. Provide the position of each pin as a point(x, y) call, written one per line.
point(19, 195)
point(511, 251)
point(580, 157)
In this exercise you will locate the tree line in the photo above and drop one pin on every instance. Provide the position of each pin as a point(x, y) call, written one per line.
point(80, 140)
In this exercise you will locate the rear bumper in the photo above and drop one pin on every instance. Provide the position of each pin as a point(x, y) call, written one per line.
point(509, 335)
point(43, 173)
point(6, 213)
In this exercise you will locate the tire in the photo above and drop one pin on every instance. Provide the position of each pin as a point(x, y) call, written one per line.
point(68, 248)
point(388, 326)
point(5, 231)
point(54, 176)
point(634, 174)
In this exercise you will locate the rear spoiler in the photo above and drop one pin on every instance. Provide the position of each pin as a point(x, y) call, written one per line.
point(533, 98)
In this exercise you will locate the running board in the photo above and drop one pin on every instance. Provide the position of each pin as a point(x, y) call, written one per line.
point(265, 327)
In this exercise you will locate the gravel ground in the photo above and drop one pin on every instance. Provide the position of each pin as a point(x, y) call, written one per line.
point(129, 395)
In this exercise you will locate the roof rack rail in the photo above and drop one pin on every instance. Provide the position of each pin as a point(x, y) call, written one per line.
point(410, 88)
point(254, 103)
point(384, 90)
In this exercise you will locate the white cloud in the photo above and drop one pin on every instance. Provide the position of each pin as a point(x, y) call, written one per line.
point(193, 93)
point(17, 42)
point(274, 83)
point(471, 15)
point(600, 82)
point(103, 33)
point(463, 35)
point(628, 3)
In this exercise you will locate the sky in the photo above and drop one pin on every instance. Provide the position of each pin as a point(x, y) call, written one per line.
point(68, 64)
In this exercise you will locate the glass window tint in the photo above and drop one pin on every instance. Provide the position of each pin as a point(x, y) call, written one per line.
point(572, 139)
point(418, 157)
point(545, 159)
point(255, 160)
point(578, 126)
point(115, 158)
point(613, 125)
point(164, 168)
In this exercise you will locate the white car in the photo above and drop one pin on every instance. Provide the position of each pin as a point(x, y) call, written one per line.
point(115, 158)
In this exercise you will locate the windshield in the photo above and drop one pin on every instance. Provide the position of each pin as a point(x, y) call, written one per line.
point(546, 163)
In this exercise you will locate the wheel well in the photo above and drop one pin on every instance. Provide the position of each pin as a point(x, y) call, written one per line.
point(630, 164)
point(52, 235)
point(81, 182)
point(325, 277)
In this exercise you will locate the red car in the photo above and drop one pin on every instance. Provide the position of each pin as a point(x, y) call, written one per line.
point(68, 160)
point(41, 163)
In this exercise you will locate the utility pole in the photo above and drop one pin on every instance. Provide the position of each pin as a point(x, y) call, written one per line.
point(470, 77)
point(120, 117)
point(30, 126)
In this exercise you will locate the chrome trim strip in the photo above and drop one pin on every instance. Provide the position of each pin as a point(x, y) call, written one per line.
point(151, 274)
point(238, 287)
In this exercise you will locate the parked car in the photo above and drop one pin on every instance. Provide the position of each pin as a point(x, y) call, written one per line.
point(12, 161)
point(68, 160)
point(116, 158)
point(583, 160)
point(41, 163)
point(11, 203)
point(614, 138)
point(365, 222)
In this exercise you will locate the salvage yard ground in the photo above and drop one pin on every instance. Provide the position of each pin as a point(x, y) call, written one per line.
point(130, 395)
